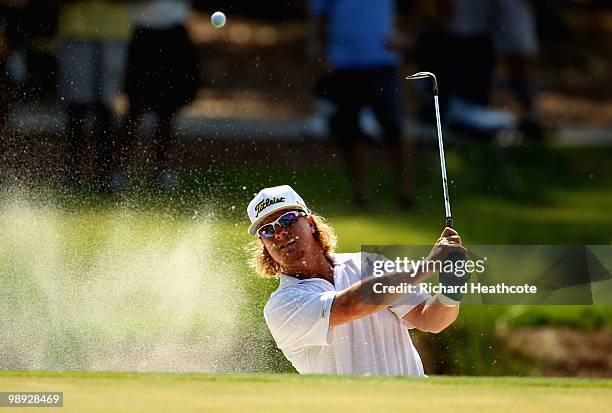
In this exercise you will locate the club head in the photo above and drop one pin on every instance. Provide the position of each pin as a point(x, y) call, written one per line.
point(421, 75)
point(425, 75)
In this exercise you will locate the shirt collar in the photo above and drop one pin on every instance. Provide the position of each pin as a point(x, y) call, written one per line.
point(288, 280)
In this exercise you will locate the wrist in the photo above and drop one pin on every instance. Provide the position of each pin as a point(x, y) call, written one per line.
point(447, 301)
point(444, 300)
point(454, 279)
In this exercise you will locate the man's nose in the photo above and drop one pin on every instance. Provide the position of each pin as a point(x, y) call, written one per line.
point(280, 232)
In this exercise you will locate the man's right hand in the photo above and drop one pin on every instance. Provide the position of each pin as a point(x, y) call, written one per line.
point(448, 244)
point(448, 247)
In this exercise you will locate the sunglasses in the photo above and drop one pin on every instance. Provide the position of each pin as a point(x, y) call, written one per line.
point(285, 220)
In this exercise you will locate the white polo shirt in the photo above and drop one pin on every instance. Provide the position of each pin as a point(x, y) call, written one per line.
point(297, 315)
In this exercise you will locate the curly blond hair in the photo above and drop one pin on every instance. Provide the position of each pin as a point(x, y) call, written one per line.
point(264, 264)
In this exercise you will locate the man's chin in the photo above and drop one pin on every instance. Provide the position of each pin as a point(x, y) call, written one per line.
point(292, 253)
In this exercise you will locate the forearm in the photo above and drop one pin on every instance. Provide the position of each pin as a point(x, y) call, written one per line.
point(374, 294)
point(432, 317)
point(371, 295)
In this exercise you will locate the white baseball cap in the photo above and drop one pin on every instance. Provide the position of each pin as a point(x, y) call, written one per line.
point(269, 200)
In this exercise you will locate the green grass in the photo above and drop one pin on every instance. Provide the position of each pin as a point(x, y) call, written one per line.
point(115, 392)
point(582, 317)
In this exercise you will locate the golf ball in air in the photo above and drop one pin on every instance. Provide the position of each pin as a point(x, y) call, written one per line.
point(218, 19)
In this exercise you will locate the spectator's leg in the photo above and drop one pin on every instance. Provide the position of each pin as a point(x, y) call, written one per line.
point(386, 103)
point(345, 128)
point(523, 76)
point(108, 64)
point(76, 81)
point(348, 96)
point(128, 143)
point(517, 43)
point(400, 151)
point(355, 160)
point(164, 141)
point(5, 111)
point(164, 144)
point(473, 62)
point(75, 134)
point(103, 150)
point(5, 98)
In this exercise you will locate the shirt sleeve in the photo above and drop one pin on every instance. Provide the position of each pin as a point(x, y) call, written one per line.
point(299, 319)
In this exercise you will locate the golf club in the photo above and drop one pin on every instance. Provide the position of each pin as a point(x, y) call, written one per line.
point(447, 208)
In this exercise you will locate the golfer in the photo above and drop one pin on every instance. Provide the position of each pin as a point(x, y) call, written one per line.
point(318, 315)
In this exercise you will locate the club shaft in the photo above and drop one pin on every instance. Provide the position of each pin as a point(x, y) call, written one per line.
point(447, 208)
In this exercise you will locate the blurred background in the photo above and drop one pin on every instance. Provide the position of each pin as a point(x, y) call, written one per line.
point(134, 133)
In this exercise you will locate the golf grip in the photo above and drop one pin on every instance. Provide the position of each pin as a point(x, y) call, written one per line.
point(454, 257)
point(452, 279)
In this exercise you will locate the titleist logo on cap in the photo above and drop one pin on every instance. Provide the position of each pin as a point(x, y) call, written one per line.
point(266, 203)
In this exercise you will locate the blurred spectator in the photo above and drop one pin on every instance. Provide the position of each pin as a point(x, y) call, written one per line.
point(511, 24)
point(5, 82)
point(11, 39)
point(481, 34)
point(162, 76)
point(10, 10)
point(40, 29)
point(356, 43)
point(91, 62)
point(27, 30)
